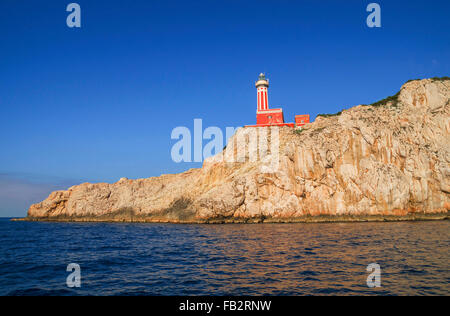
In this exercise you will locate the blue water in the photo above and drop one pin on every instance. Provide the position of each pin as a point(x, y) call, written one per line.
point(272, 259)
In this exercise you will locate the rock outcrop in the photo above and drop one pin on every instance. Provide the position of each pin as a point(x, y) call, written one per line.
point(390, 160)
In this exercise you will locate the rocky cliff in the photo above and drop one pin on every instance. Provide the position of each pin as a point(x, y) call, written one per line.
point(386, 161)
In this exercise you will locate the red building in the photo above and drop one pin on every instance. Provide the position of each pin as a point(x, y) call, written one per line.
point(301, 120)
point(269, 117)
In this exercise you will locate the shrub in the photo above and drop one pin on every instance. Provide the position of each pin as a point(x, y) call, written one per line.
point(330, 115)
point(440, 78)
point(392, 98)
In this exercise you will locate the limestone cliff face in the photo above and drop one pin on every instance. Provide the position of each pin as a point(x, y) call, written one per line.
point(388, 160)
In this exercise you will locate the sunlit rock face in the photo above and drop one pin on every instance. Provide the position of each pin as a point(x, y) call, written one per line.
point(384, 161)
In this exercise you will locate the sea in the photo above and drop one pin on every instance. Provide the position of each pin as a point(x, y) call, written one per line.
point(413, 258)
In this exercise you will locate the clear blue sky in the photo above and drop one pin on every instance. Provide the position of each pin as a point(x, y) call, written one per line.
point(99, 103)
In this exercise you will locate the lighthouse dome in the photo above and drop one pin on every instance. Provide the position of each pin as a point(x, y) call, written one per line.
point(262, 81)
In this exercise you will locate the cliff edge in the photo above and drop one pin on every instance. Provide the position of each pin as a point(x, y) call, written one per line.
point(385, 161)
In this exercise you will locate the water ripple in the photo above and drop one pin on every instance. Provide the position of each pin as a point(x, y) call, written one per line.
point(270, 259)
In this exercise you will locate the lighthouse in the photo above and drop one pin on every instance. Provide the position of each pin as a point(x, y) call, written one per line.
point(266, 116)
